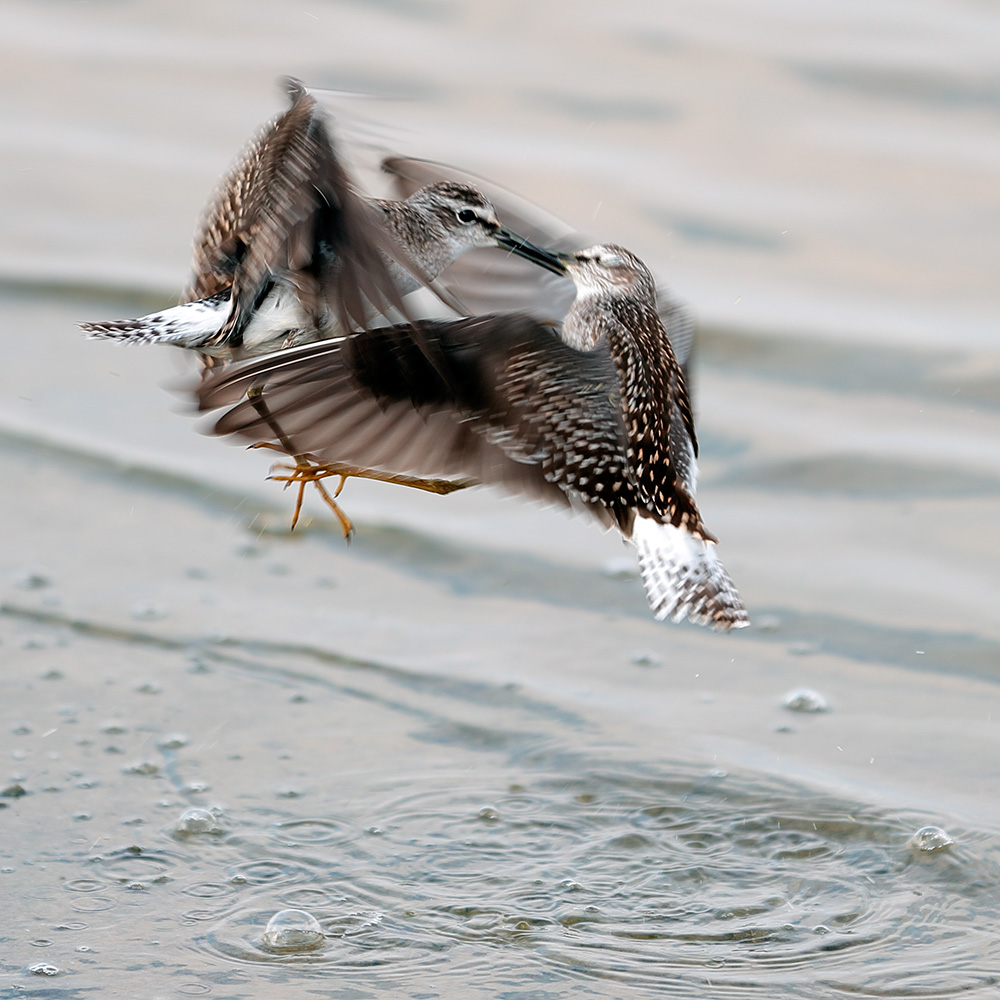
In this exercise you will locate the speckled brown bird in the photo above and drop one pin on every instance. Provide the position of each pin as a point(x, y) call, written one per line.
point(593, 413)
point(289, 252)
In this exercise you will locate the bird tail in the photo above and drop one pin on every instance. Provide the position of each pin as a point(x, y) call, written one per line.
point(188, 325)
point(684, 578)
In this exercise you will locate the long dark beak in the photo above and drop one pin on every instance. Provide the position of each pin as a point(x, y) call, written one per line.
point(517, 244)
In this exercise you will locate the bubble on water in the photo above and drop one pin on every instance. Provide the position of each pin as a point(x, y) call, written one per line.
point(805, 700)
point(931, 838)
point(197, 821)
point(195, 787)
point(148, 687)
point(173, 742)
point(114, 727)
point(292, 930)
point(489, 814)
point(44, 969)
point(143, 767)
point(14, 791)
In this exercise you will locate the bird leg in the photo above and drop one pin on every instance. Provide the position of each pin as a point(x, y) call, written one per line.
point(307, 469)
point(303, 465)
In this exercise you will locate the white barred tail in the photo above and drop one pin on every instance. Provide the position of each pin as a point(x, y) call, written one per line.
point(684, 578)
point(188, 325)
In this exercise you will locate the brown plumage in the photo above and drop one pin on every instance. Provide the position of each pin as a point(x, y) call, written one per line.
point(594, 414)
point(287, 207)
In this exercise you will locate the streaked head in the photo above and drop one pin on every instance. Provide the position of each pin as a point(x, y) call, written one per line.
point(470, 221)
point(609, 269)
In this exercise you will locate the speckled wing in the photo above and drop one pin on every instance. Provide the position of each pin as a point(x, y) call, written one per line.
point(287, 209)
point(501, 400)
point(484, 281)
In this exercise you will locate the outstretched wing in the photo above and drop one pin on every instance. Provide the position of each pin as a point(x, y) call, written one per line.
point(287, 209)
point(485, 282)
point(500, 399)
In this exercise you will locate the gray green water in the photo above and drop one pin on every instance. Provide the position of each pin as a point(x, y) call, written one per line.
point(461, 744)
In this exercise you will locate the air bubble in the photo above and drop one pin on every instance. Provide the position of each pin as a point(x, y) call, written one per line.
point(44, 969)
point(292, 930)
point(197, 821)
point(805, 700)
point(143, 767)
point(931, 838)
point(173, 742)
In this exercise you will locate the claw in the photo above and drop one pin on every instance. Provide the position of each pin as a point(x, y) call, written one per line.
point(305, 472)
point(308, 470)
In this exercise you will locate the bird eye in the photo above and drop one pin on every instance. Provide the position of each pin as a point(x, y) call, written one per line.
point(466, 216)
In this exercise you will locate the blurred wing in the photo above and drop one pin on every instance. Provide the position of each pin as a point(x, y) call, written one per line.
point(485, 281)
point(502, 400)
point(287, 209)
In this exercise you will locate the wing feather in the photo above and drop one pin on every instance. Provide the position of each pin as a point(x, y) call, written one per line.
point(501, 400)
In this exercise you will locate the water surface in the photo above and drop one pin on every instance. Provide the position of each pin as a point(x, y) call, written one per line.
point(461, 744)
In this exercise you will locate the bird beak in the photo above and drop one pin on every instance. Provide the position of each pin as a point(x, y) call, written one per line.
point(516, 244)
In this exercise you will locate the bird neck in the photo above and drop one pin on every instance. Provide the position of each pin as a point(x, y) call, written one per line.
point(423, 241)
point(618, 319)
point(637, 342)
point(588, 321)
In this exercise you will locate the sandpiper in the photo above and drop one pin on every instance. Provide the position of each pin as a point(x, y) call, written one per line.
point(288, 253)
point(594, 414)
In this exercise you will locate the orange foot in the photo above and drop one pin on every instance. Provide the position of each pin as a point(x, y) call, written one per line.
point(308, 470)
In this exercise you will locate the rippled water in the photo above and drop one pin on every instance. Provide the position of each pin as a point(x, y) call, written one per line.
point(491, 853)
point(461, 746)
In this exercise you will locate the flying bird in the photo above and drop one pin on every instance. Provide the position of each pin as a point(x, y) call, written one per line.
point(592, 412)
point(288, 252)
